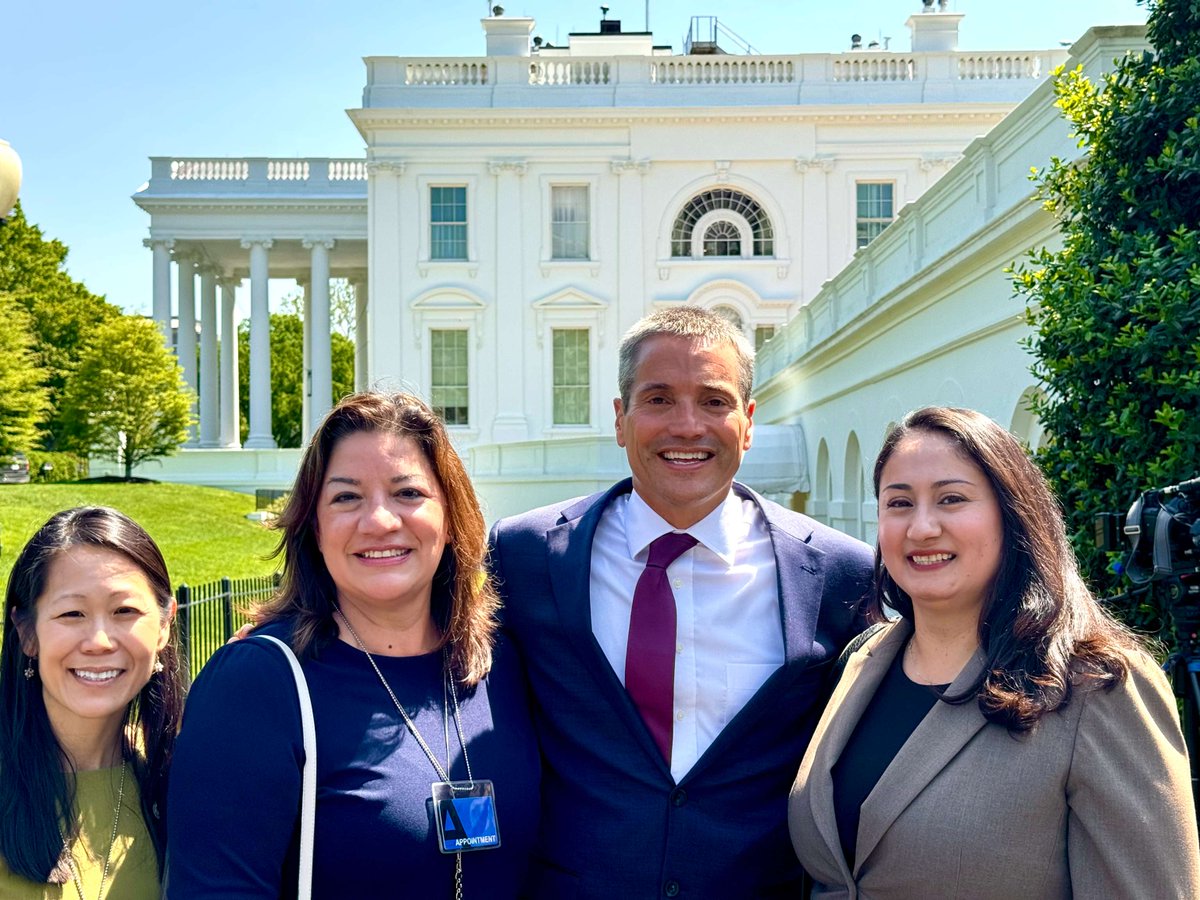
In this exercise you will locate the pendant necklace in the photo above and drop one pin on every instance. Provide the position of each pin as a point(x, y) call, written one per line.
point(443, 774)
point(112, 842)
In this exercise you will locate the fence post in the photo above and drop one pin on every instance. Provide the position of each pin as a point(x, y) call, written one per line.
point(227, 606)
point(183, 597)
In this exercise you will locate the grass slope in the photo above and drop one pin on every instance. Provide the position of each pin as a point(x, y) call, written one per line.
point(203, 532)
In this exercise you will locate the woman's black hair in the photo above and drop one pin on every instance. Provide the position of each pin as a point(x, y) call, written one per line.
point(37, 779)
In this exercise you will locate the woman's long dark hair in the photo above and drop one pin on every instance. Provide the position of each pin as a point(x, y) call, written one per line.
point(465, 602)
point(37, 779)
point(1040, 627)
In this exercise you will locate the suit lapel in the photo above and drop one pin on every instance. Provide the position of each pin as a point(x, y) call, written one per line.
point(800, 574)
point(859, 681)
point(937, 739)
point(569, 549)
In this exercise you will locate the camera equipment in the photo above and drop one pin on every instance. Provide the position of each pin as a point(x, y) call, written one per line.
point(1163, 531)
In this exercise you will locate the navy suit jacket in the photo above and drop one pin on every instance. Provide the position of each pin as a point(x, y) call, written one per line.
point(614, 822)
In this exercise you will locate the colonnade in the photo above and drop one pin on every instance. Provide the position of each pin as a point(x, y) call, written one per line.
point(214, 375)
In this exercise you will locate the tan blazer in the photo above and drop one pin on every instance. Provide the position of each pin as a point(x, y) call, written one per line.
point(1096, 803)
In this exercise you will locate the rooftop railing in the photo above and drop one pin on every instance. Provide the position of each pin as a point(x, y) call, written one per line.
point(257, 175)
point(396, 81)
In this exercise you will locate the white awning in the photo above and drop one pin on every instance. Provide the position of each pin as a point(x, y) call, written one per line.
point(777, 462)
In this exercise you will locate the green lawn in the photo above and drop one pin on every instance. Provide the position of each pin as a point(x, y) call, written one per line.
point(203, 532)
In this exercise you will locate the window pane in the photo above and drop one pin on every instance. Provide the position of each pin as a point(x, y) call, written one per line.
point(875, 209)
point(448, 222)
point(448, 375)
point(569, 222)
point(572, 396)
point(762, 334)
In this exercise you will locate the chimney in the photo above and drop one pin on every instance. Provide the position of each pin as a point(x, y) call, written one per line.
point(507, 35)
point(934, 31)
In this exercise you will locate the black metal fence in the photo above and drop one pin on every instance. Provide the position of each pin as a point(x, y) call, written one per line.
point(210, 613)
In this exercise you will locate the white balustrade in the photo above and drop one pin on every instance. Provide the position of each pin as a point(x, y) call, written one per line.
point(210, 170)
point(745, 70)
point(875, 67)
point(287, 170)
point(569, 71)
point(999, 65)
point(347, 170)
point(434, 73)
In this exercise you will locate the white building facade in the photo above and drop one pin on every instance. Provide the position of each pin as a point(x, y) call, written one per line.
point(516, 212)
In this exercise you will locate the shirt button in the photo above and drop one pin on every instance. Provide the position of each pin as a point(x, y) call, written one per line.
point(679, 715)
point(678, 797)
point(671, 888)
point(679, 648)
point(677, 583)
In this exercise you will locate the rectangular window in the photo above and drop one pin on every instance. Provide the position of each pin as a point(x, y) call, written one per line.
point(448, 222)
point(448, 378)
point(569, 209)
point(572, 393)
point(876, 209)
point(762, 334)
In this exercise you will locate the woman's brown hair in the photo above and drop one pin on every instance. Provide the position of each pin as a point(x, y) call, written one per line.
point(1040, 628)
point(464, 601)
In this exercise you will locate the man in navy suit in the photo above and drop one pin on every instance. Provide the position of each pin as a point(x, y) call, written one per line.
point(638, 801)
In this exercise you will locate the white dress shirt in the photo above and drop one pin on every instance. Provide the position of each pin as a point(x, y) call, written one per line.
point(729, 635)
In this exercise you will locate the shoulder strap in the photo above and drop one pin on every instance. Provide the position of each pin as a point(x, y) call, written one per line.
point(855, 644)
point(308, 792)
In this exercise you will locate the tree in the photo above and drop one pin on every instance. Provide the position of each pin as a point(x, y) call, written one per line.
point(341, 306)
point(287, 374)
point(128, 395)
point(62, 316)
point(1116, 311)
point(23, 394)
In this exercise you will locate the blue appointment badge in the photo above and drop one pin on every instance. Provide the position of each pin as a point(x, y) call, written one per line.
point(465, 812)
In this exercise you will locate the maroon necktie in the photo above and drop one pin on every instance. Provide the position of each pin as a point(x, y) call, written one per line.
point(650, 653)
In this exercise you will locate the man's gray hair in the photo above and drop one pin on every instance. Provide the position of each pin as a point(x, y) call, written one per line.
point(709, 329)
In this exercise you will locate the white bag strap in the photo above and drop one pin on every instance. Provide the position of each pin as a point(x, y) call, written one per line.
point(308, 792)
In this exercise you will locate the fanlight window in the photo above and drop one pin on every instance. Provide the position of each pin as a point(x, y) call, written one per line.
point(723, 237)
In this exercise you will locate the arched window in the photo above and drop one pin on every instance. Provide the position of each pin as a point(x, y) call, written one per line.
point(730, 315)
point(722, 238)
point(730, 216)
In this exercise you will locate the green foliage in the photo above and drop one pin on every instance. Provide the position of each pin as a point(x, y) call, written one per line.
point(23, 395)
point(128, 394)
point(287, 374)
point(62, 317)
point(63, 466)
point(1116, 311)
point(203, 532)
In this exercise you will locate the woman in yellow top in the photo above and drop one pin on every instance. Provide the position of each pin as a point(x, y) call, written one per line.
point(91, 692)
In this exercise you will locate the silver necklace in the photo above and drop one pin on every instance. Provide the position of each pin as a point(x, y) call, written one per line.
point(412, 727)
point(112, 842)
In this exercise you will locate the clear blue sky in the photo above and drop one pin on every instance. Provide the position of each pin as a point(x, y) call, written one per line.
point(89, 91)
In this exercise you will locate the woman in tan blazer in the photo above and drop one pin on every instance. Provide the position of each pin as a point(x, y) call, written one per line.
point(1005, 737)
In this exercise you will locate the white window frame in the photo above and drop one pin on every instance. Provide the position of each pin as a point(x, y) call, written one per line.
point(570, 308)
point(425, 240)
point(548, 260)
point(449, 309)
point(589, 381)
point(856, 220)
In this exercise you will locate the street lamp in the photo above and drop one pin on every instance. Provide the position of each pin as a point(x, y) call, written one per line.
point(10, 179)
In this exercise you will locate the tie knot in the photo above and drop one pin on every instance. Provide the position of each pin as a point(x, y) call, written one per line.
point(669, 547)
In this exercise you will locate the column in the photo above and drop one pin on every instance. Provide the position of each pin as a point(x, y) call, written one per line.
point(260, 436)
point(209, 407)
point(362, 344)
point(161, 307)
point(391, 243)
point(510, 423)
point(230, 403)
point(185, 334)
point(320, 355)
point(305, 286)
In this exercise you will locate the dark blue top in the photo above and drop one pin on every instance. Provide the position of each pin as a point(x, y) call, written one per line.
point(233, 810)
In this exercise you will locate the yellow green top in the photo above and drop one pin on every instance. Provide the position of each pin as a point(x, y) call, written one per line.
point(133, 869)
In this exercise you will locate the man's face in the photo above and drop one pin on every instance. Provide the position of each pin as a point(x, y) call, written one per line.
point(686, 427)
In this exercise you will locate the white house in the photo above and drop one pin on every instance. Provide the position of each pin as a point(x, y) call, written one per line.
point(516, 212)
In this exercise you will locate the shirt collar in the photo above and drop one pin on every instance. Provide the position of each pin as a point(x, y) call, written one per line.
point(720, 531)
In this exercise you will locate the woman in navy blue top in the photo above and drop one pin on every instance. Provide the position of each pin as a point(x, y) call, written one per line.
point(427, 765)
